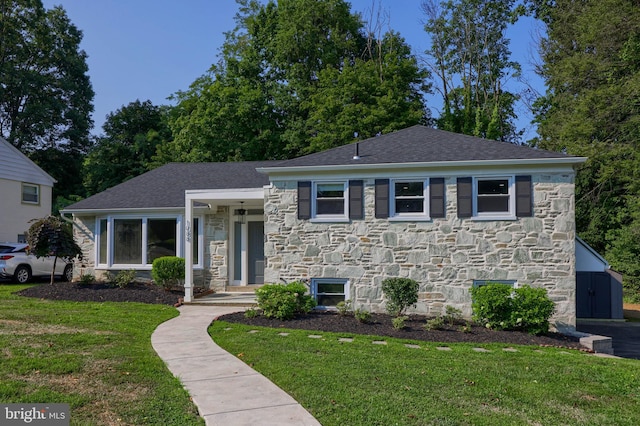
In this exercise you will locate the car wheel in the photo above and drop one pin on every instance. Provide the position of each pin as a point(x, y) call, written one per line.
point(22, 274)
point(68, 273)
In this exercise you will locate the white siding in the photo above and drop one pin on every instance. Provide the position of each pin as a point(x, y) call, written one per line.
point(14, 165)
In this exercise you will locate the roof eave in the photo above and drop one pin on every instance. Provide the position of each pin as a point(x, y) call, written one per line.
point(559, 161)
point(121, 210)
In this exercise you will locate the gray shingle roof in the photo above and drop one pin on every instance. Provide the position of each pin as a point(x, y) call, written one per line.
point(165, 186)
point(420, 144)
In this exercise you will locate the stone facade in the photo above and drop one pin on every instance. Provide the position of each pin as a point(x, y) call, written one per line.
point(443, 255)
point(216, 249)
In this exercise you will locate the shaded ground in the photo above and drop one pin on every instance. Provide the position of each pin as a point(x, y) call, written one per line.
point(380, 325)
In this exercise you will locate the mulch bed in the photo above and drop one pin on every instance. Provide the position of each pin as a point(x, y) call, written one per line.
point(379, 325)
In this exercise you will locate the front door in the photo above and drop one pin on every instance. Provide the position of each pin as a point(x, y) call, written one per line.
point(248, 252)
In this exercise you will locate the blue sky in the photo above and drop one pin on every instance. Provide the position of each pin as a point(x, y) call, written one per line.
point(150, 49)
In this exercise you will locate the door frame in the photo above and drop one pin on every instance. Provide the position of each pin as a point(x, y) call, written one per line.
point(244, 248)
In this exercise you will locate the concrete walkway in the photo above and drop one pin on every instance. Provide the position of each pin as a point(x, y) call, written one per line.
point(225, 390)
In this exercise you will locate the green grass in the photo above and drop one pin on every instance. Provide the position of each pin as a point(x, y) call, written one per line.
point(97, 357)
point(361, 383)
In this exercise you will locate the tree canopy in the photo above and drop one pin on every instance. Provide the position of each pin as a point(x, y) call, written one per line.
point(292, 73)
point(470, 58)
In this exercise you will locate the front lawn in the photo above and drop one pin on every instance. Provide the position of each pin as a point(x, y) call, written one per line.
point(366, 383)
point(97, 357)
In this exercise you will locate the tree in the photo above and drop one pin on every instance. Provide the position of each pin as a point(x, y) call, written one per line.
point(274, 93)
point(470, 57)
point(125, 150)
point(591, 68)
point(45, 95)
point(51, 236)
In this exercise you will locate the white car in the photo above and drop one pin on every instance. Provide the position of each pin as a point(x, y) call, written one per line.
point(17, 264)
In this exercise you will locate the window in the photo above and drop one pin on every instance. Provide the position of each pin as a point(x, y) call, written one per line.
point(22, 238)
point(328, 292)
point(140, 240)
point(329, 199)
point(493, 196)
point(410, 198)
point(480, 283)
point(30, 193)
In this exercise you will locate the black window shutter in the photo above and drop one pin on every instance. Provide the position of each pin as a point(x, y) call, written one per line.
point(382, 198)
point(436, 197)
point(356, 196)
point(465, 197)
point(524, 196)
point(304, 200)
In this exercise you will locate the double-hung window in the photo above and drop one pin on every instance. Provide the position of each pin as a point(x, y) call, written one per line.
point(330, 200)
point(410, 198)
point(30, 193)
point(494, 196)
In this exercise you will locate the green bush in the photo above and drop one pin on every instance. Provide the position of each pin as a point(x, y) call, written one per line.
point(168, 271)
point(124, 278)
point(436, 323)
point(399, 322)
point(362, 315)
point(400, 293)
point(500, 306)
point(251, 312)
point(87, 279)
point(284, 301)
point(344, 307)
point(452, 315)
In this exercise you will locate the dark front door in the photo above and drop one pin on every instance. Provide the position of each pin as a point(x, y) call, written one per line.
point(593, 295)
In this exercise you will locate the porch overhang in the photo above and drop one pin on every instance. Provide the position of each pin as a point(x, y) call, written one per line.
point(212, 198)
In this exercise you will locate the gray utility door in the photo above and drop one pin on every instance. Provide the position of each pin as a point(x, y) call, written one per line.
point(256, 253)
point(593, 295)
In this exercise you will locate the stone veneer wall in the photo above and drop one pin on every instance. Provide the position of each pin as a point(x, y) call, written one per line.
point(443, 255)
point(216, 249)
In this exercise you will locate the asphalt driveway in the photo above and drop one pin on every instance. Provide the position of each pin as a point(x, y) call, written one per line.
point(626, 336)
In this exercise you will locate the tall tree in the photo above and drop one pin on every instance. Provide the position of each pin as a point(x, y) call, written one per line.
point(45, 95)
point(470, 58)
point(125, 150)
point(274, 87)
point(591, 68)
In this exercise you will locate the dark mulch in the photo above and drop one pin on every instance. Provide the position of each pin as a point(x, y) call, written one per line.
point(100, 292)
point(380, 325)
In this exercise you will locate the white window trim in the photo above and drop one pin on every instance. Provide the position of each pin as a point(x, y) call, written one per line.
point(480, 283)
point(394, 216)
point(510, 215)
point(180, 233)
point(31, 185)
point(315, 217)
point(314, 289)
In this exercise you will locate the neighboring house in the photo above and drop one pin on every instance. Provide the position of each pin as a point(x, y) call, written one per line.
point(448, 210)
point(25, 191)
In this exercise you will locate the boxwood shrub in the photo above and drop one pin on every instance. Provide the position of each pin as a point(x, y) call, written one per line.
point(284, 301)
point(168, 271)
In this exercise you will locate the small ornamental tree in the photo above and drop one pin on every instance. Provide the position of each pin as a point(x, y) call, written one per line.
point(400, 293)
point(51, 236)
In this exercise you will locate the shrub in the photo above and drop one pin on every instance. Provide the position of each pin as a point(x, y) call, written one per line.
point(436, 323)
point(399, 322)
point(284, 301)
point(344, 307)
point(124, 278)
point(362, 315)
point(400, 293)
point(168, 271)
point(251, 312)
point(452, 315)
point(87, 279)
point(502, 307)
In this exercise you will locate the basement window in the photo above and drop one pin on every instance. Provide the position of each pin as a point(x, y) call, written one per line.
point(328, 292)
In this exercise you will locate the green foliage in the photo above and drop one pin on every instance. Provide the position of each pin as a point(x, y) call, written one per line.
point(87, 279)
point(436, 323)
point(400, 294)
point(362, 315)
point(345, 307)
point(284, 301)
point(125, 150)
point(251, 312)
point(271, 98)
point(168, 271)
point(499, 306)
point(471, 58)
point(452, 315)
point(51, 236)
point(124, 278)
point(399, 322)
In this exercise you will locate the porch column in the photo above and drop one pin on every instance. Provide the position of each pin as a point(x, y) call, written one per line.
point(189, 233)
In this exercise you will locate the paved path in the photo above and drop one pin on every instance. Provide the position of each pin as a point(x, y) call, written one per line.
point(626, 336)
point(225, 390)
